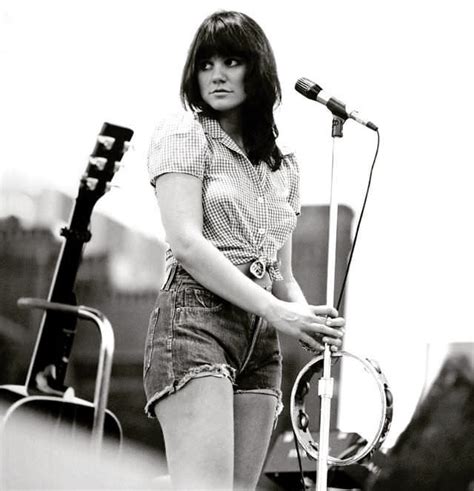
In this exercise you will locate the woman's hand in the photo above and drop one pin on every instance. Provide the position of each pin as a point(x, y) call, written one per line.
point(312, 325)
point(330, 319)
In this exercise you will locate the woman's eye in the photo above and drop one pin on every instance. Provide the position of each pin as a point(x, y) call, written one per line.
point(233, 61)
point(205, 65)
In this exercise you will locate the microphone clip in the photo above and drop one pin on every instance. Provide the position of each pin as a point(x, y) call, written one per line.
point(337, 124)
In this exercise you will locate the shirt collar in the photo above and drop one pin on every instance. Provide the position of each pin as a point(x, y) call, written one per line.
point(212, 128)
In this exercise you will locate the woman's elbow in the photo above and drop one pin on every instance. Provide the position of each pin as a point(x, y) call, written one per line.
point(184, 248)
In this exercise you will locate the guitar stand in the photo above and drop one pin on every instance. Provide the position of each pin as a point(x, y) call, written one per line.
point(104, 367)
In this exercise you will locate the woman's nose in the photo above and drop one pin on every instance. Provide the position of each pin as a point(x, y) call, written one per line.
point(218, 72)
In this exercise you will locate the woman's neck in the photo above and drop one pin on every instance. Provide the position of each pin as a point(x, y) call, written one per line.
point(231, 123)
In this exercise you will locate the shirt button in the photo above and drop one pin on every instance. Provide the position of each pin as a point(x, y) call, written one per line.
point(261, 230)
point(260, 199)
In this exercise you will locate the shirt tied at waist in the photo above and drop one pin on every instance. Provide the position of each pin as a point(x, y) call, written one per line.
point(259, 268)
point(273, 269)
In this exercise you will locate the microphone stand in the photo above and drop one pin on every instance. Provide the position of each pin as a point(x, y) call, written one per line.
point(326, 382)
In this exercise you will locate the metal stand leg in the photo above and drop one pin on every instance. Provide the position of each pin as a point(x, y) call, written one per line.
point(104, 368)
point(326, 383)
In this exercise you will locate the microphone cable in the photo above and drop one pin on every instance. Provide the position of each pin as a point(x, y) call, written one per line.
point(300, 464)
point(356, 235)
point(346, 274)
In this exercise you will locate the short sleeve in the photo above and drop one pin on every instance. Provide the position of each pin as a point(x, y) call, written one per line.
point(294, 182)
point(178, 144)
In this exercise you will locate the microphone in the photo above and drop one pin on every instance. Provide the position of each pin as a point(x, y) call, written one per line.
point(314, 92)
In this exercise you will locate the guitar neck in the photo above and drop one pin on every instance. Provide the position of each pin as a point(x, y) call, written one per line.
point(57, 330)
point(55, 339)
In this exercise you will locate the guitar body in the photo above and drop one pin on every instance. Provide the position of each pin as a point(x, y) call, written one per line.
point(42, 437)
point(71, 414)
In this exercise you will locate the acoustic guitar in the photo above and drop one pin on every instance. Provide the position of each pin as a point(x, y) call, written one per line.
point(44, 400)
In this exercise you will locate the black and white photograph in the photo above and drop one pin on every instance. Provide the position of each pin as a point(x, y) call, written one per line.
point(236, 245)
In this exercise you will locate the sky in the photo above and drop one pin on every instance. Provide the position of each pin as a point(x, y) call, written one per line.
point(68, 66)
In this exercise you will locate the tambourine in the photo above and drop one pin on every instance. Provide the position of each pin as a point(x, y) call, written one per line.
point(300, 419)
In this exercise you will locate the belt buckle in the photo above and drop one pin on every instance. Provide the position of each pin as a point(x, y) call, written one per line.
point(258, 269)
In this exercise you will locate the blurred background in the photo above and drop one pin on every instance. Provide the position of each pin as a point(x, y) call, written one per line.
point(68, 66)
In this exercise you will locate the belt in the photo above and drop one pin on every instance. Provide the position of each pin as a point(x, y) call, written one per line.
point(264, 281)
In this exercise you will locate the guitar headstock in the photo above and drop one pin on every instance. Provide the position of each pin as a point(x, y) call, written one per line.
point(112, 142)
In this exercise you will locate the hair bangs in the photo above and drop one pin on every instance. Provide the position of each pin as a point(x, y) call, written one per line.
point(235, 34)
point(220, 38)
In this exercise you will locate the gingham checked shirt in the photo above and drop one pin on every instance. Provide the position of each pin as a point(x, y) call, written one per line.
point(248, 211)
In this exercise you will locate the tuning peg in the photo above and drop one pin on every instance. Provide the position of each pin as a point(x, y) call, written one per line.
point(107, 141)
point(127, 146)
point(109, 186)
point(99, 162)
point(91, 182)
point(117, 166)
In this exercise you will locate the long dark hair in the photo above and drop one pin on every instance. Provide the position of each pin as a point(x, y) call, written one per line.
point(229, 33)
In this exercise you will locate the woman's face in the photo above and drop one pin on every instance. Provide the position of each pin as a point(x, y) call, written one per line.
point(221, 82)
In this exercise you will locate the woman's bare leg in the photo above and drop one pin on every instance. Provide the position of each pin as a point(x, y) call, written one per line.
point(198, 427)
point(254, 415)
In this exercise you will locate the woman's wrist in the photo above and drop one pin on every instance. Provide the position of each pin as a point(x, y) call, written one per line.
point(269, 307)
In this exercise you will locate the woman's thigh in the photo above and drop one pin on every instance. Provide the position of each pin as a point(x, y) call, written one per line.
point(254, 416)
point(197, 423)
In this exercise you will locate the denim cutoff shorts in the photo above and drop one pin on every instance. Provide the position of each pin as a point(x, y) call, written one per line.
point(195, 333)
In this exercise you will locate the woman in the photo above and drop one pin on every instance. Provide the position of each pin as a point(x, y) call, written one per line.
point(228, 198)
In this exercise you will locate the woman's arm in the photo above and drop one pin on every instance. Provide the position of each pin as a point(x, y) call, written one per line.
point(289, 290)
point(179, 198)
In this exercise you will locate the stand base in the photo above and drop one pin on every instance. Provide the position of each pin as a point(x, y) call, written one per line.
point(282, 463)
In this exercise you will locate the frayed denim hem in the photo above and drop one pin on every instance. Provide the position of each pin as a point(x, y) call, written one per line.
point(217, 370)
point(271, 392)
